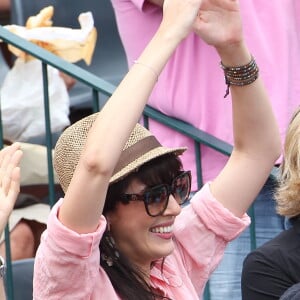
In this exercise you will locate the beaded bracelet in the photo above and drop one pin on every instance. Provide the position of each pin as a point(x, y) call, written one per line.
point(241, 75)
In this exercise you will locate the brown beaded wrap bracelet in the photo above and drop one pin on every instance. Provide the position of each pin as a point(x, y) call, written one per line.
point(241, 75)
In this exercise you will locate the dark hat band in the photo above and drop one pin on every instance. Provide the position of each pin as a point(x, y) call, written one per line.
point(135, 151)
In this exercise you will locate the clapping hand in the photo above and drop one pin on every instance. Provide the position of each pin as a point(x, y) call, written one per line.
point(10, 158)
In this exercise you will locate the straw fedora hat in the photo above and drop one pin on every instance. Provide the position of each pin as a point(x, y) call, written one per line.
point(140, 148)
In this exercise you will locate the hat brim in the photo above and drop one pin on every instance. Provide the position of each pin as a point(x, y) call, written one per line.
point(137, 163)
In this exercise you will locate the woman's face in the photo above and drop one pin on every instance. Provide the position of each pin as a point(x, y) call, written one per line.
point(140, 237)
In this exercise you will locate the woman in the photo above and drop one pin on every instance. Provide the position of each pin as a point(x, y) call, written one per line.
point(123, 190)
point(273, 268)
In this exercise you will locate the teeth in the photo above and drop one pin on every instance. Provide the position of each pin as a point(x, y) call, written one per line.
point(166, 229)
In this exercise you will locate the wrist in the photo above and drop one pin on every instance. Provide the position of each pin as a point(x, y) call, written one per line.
point(169, 37)
point(240, 75)
point(234, 54)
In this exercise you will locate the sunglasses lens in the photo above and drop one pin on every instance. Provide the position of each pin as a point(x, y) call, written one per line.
point(156, 200)
point(181, 187)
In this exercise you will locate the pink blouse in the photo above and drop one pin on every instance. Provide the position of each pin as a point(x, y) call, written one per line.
point(67, 263)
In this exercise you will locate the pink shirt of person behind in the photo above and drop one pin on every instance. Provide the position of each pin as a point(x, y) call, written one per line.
point(67, 264)
point(191, 86)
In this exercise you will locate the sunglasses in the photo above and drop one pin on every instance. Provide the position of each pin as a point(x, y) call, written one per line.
point(156, 199)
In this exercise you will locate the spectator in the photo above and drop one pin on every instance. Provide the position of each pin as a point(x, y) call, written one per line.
point(271, 30)
point(275, 266)
point(123, 188)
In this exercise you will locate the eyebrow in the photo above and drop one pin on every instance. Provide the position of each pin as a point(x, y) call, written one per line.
point(141, 192)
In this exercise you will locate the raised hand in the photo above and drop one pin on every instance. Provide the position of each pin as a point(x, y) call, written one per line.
point(179, 16)
point(10, 158)
point(219, 23)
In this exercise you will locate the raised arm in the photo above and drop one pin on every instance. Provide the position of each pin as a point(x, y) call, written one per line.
point(84, 199)
point(256, 135)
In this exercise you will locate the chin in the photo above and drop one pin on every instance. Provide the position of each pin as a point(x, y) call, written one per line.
point(164, 249)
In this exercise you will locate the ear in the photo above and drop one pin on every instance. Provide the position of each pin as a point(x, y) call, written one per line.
point(109, 220)
point(112, 216)
point(108, 216)
point(108, 226)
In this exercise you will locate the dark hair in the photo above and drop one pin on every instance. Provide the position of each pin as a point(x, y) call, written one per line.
point(126, 278)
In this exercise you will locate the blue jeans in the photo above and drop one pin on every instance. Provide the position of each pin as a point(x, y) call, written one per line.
point(225, 281)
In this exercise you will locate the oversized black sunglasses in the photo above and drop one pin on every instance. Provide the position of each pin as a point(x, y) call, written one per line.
point(156, 198)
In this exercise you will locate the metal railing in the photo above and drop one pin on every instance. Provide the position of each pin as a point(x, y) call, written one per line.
point(97, 85)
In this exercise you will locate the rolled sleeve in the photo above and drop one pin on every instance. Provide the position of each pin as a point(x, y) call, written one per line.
point(216, 217)
point(66, 263)
point(202, 231)
point(72, 242)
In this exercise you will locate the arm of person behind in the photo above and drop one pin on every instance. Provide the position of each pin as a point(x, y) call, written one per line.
point(10, 158)
point(256, 135)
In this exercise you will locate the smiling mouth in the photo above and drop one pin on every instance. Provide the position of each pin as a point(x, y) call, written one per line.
point(164, 229)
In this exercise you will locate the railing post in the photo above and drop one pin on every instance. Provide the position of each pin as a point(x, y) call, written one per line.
point(96, 106)
point(198, 165)
point(48, 135)
point(251, 214)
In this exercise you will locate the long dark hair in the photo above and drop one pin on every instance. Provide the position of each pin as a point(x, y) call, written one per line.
point(126, 278)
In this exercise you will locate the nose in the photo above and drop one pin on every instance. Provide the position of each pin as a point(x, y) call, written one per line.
point(173, 207)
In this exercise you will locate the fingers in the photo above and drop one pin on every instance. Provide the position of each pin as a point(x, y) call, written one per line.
point(10, 158)
point(9, 150)
point(14, 185)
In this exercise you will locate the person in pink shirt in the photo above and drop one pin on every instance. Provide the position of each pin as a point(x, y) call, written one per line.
point(120, 231)
point(191, 88)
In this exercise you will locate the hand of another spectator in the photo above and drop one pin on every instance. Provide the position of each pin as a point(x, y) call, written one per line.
point(10, 158)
